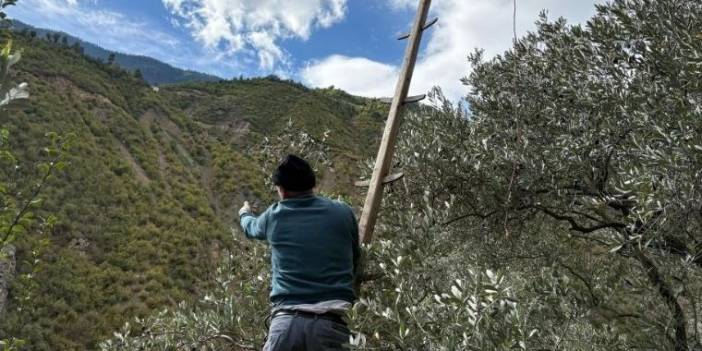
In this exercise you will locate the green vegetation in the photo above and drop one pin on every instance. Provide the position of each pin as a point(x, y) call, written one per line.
point(562, 212)
point(21, 196)
point(143, 210)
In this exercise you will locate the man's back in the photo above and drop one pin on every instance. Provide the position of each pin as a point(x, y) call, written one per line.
point(314, 246)
point(314, 252)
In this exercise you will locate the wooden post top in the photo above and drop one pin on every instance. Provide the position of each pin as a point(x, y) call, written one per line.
point(387, 144)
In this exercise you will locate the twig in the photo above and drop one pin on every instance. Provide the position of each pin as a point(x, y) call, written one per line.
point(28, 203)
point(574, 225)
point(514, 108)
point(593, 297)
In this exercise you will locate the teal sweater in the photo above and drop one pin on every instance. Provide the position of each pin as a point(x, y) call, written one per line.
point(314, 248)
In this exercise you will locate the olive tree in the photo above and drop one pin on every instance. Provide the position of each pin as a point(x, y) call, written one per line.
point(577, 170)
point(598, 129)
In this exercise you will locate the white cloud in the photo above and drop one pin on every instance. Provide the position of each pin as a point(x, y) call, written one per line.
point(346, 69)
point(255, 27)
point(109, 29)
point(463, 26)
point(116, 31)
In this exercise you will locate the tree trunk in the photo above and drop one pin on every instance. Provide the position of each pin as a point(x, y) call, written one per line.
point(668, 296)
point(7, 273)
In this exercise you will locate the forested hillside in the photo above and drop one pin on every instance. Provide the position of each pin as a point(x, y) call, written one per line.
point(144, 206)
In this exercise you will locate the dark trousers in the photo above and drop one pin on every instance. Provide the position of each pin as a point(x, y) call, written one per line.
point(293, 332)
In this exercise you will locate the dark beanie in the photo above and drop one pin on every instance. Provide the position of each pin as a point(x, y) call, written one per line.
point(294, 174)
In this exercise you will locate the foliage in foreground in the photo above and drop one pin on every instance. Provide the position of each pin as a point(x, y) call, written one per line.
point(562, 213)
point(17, 220)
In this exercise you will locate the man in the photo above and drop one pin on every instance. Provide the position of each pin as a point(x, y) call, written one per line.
point(314, 252)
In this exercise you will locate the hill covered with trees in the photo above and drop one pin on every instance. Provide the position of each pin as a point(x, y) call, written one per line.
point(154, 71)
point(144, 205)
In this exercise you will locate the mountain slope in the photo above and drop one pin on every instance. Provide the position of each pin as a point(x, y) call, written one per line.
point(154, 71)
point(144, 208)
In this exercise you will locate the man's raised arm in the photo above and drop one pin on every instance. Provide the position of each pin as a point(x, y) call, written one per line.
point(253, 227)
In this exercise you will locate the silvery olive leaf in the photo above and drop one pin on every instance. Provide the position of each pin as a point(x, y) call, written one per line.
point(18, 92)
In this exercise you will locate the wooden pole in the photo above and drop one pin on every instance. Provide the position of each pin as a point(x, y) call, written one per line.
point(387, 144)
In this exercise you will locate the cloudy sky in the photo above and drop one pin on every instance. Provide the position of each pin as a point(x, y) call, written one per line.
point(346, 43)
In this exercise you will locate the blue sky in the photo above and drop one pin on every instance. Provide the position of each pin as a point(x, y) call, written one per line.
point(346, 43)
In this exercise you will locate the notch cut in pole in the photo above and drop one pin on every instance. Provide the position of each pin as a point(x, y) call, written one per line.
point(387, 180)
point(426, 26)
point(408, 100)
point(387, 144)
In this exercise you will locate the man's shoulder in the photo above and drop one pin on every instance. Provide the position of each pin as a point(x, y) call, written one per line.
point(337, 204)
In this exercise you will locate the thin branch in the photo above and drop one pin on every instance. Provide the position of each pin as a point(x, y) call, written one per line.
point(574, 225)
point(593, 297)
point(28, 203)
point(591, 238)
point(666, 292)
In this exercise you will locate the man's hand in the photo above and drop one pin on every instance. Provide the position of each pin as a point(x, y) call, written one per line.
point(245, 209)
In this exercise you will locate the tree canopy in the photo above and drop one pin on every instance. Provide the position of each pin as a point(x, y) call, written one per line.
point(576, 173)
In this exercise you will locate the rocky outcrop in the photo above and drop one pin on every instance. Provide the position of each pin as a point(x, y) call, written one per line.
point(7, 274)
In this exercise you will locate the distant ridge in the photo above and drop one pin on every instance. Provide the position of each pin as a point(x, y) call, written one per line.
point(154, 71)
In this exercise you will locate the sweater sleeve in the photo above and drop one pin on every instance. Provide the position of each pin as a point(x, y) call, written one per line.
point(255, 227)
